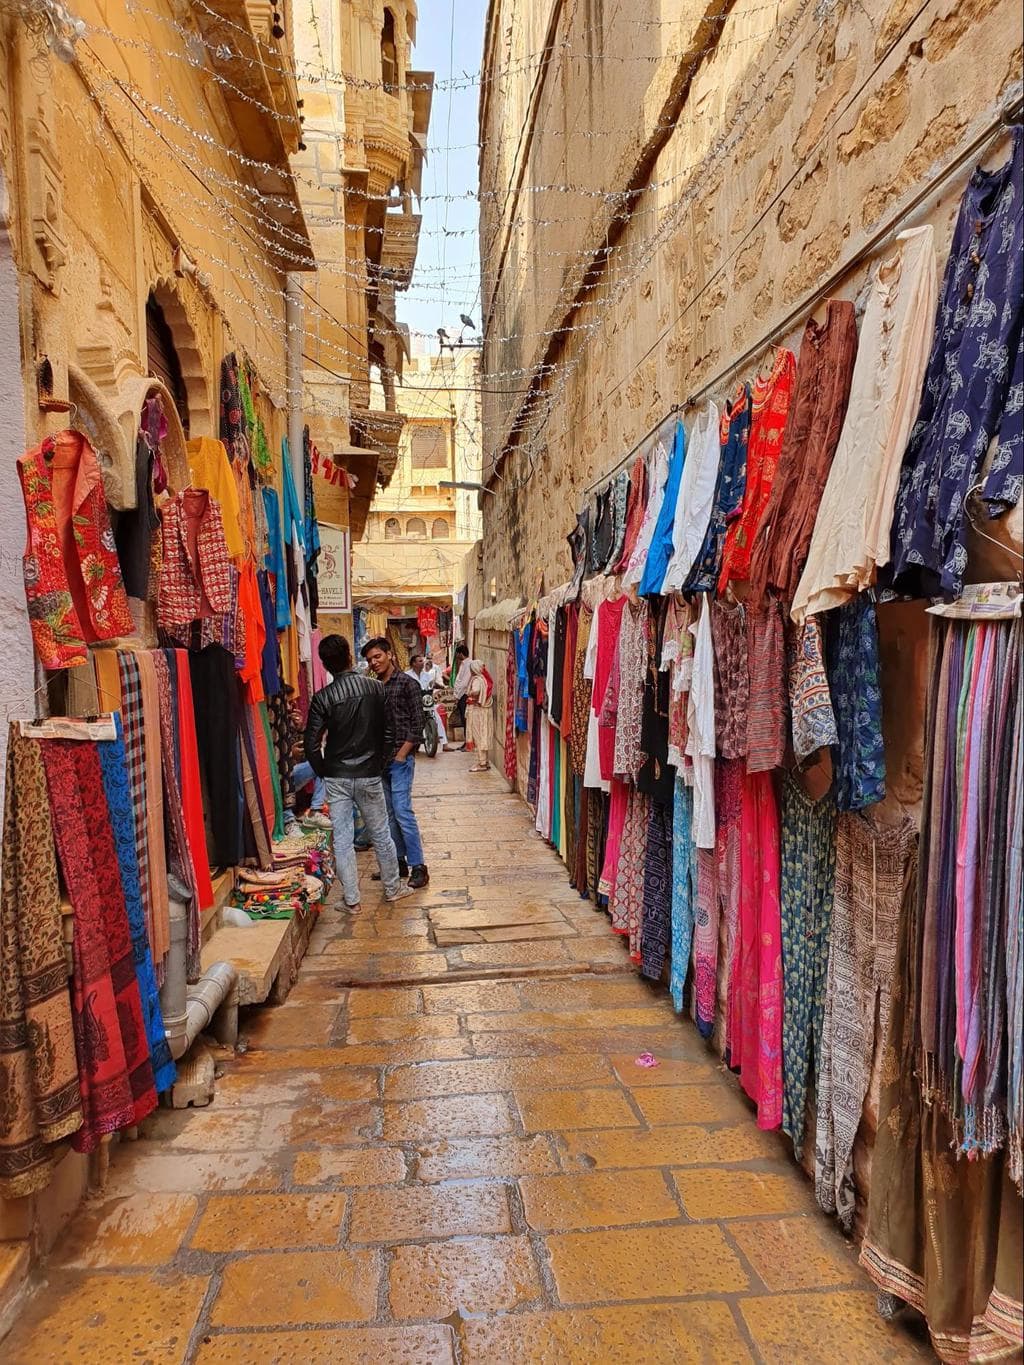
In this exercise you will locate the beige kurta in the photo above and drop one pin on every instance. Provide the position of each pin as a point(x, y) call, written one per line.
point(851, 533)
point(479, 719)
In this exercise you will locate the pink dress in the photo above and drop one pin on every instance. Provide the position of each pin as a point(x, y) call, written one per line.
point(755, 987)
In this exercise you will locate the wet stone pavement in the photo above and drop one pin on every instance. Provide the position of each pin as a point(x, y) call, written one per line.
point(442, 1149)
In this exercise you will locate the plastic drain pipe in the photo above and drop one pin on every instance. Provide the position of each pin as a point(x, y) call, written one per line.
point(188, 1010)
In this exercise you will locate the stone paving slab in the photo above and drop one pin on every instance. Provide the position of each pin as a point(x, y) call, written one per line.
point(447, 1152)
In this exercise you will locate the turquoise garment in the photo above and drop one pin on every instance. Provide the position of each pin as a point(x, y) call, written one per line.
point(122, 824)
point(684, 889)
point(660, 553)
point(274, 560)
point(294, 515)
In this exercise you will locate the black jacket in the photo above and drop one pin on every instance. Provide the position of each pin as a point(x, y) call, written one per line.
point(352, 713)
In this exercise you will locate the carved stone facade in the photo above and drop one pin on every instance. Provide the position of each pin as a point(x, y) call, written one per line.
point(365, 122)
point(116, 202)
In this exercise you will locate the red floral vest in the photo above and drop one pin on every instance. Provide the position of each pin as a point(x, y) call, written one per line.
point(73, 581)
point(195, 581)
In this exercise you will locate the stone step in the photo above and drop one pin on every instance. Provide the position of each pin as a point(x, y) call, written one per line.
point(265, 954)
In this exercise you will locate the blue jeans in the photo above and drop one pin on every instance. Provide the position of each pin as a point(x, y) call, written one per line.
point(303, 773)
point(365, 794)
point(398, 793)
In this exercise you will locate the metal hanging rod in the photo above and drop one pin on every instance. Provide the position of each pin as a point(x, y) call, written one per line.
point(625, 459)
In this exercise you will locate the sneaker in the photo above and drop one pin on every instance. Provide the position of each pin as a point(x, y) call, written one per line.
point(419, 878)
point(403, 871)
point(318, 819)
point(399, 895)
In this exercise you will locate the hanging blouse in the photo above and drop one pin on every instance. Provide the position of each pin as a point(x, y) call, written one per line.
point(824, 373)
point(677, 658)
point(851, 532)
point(734, 436)
point(73, 584)
point(660, 551)
point(234, 431)
point(632, 659)
point(209, 468)
point(696, 494)
point(701, 722)
point(770, 410)
point(604, 532)
point(732, 678)
point(579, 547)
point(604, 641)
point(658, 474)
point(620, 500)
point(973, 391)
point(636, 504)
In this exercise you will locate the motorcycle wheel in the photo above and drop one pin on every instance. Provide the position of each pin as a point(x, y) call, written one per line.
point(430, 736)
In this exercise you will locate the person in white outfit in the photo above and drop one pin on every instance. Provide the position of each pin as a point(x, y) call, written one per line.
point(424, 672)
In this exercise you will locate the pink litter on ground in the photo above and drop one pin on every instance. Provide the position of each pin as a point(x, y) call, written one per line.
point(647, 1059)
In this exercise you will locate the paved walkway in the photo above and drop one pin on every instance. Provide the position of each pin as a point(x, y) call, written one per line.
point(442, 1149)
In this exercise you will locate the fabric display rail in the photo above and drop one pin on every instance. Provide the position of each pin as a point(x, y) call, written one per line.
point(179, 640)
point(696, 718)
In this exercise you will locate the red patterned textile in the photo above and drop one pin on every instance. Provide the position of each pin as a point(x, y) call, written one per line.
point(115, 1071)
point(510, 713)
point(195, 581)
point(73, 583)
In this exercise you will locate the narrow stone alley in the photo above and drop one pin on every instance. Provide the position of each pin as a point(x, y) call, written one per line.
point(442, 1148)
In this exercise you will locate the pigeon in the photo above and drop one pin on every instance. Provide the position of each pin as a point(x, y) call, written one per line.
point(467, 321)
point(443, 335)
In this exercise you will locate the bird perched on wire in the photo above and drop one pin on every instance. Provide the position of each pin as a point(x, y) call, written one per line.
point(467, 321)
point(443, 335)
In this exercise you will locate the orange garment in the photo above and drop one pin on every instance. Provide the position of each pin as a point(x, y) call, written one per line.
point(290, 658)
point(769, 411)
point(210, 469)
point(108, 679)
point(251, 610)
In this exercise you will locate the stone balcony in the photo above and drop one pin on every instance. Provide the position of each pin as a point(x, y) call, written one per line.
point(380, 430)
point(259, 88)
point(399, 247)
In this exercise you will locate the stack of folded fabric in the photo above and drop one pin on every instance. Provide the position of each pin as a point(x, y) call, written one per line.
point(276, 895)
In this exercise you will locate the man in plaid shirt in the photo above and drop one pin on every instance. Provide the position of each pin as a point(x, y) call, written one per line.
point(404, 701)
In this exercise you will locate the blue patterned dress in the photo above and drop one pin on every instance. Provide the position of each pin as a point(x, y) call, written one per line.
point(684, 871)
point(854, 679)
point(973, 391)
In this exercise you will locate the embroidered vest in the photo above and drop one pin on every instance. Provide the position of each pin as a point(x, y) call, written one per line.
point(195, 580)
point(73, 583)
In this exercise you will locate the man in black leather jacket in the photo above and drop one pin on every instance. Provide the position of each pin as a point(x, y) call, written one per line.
point(348, 743)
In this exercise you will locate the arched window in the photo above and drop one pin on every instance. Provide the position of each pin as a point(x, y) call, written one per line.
point(163, 359)
point(388, 55)
point(439, 530)
point(392, 529)
point(416, 527)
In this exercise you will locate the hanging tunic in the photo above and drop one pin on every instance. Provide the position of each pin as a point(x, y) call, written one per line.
point(770, 407)
point(601, 652)
point(807, 888)
point(683, 891)
point(810, 702)
point(732, 678)
point(636, 505)
point(700, 745)
point(632, 659)
point(661, 547)
point(824, 374)
point(696, 495)
point(730, 486)
point(972, 390)
point(755, 987)
point(851, 533)
point(854, 678)
point(658, 475)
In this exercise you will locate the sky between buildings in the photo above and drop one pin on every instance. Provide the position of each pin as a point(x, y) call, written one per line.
point(449, 42)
